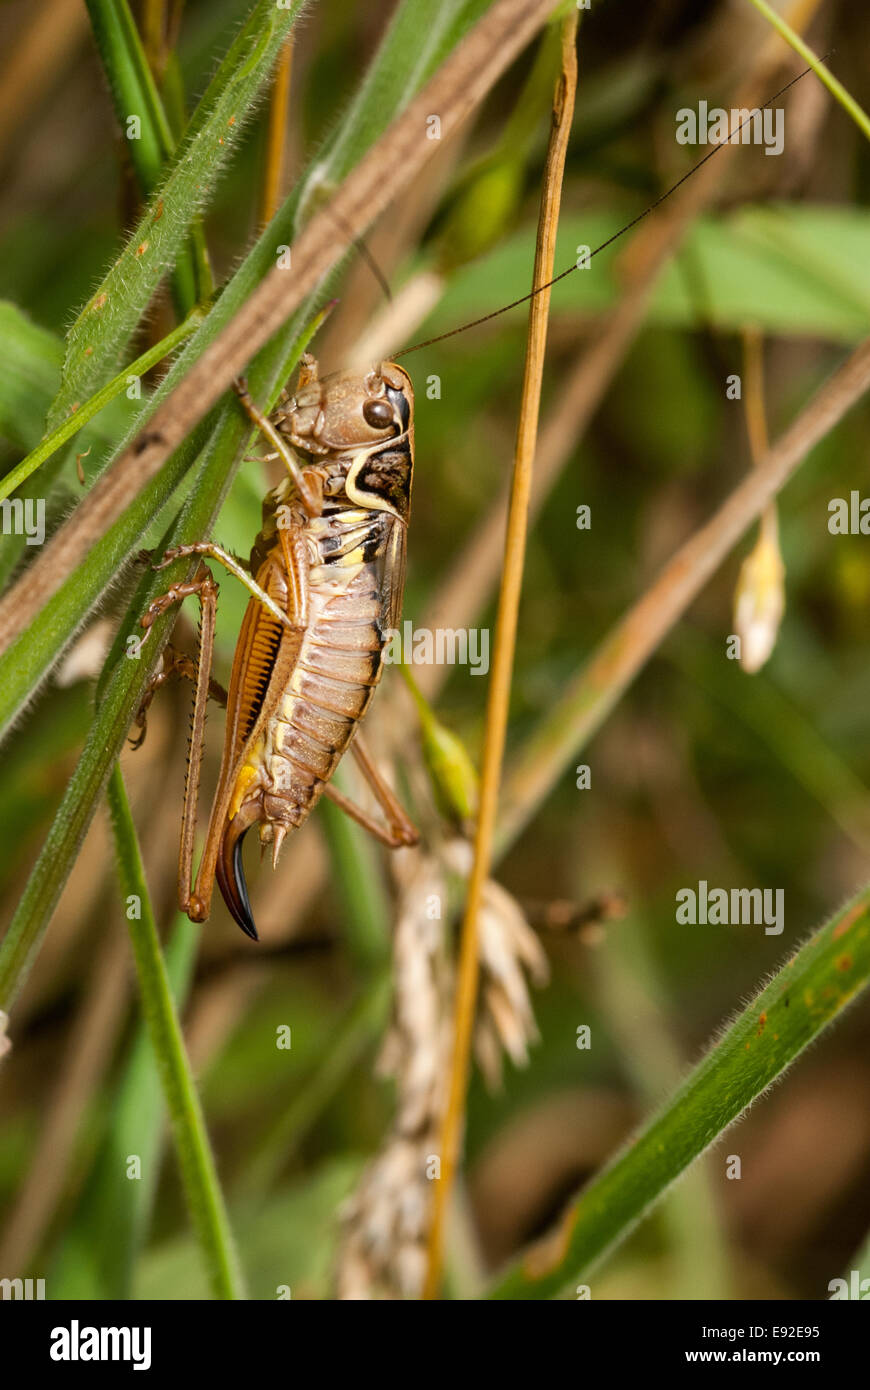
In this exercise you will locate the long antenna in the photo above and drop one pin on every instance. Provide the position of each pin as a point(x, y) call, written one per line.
point(362, 247)
point(475, 323)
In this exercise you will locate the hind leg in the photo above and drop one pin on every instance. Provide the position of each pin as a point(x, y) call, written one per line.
point(175, 663)
point(399, 831)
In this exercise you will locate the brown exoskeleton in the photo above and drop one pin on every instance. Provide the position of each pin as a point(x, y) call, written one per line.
point(326, 581)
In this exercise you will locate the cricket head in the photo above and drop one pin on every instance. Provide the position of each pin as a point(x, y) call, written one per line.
point(347, 411)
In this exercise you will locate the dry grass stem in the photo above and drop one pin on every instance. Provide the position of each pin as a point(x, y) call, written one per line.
point(279, 101)
point(596, 689)
point(474, 575)
point(498, 695)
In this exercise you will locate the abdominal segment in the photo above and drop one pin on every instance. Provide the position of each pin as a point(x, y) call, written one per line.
point(294, 749)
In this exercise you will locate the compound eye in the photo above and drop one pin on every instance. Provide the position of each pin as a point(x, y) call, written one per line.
point(378, 414)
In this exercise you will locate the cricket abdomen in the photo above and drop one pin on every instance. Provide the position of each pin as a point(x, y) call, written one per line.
point(309, 710)
point(339, 664)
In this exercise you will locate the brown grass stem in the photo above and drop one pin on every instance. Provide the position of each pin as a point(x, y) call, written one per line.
point(756, 414)
point(591, 695)
point(473, 577)
point(498, 694)
point(276, 136)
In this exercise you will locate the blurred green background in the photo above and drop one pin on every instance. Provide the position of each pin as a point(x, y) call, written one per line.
point(701, 772)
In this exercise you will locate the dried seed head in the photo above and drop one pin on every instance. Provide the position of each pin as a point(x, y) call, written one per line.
point(509, 951)
point(759, 601)
point(385, 1223)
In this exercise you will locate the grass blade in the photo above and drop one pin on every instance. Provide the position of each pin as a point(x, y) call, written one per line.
point(195, 1158)
point(105, 324)
point(145, 126)
point(59, 436)
point(807, 994)
point(352, 1037)
point(822, 71)
point(109, 1226)
point(32, 358)
point(498, 694)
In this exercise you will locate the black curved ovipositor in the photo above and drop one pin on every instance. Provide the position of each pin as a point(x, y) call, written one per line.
point(234, 889)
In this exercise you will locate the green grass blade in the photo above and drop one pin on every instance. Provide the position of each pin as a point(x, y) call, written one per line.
point(146, 129)
point(59, 436)
point(105, 324)
point(196, 1161)
point(31, 370)
point(807, 994)
point(418, 39)
point(110, 1223)
point(134, 92)
point(824, 74)
point(32, 359)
